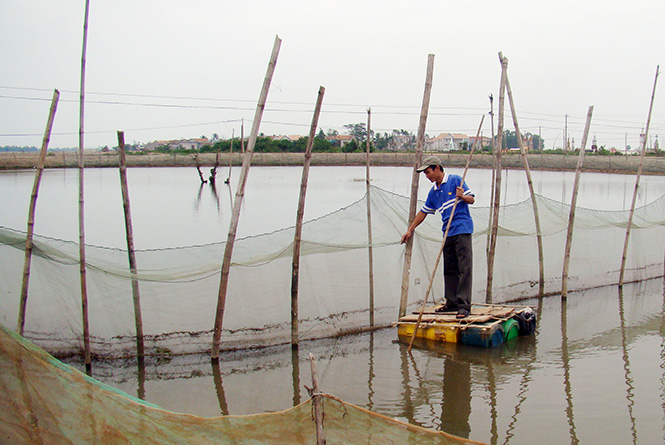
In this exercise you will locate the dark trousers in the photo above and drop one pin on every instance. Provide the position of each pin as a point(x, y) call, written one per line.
point(457, 270)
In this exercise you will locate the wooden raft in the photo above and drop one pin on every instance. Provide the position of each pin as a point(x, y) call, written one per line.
point(478, 314)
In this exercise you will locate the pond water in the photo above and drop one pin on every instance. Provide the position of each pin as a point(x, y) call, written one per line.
point(593, 371)
point(170, 207)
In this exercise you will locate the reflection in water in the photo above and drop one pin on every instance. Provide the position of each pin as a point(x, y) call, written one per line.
point(406, 409)
point(456, 404)
point(370, 380)
point(491, 387)
point(565, 361)
point(498, 395)
point(662, 357)
point(219, 387)
point(630, 390)
point(141, 378)
point(295, 374)
point(213, 189)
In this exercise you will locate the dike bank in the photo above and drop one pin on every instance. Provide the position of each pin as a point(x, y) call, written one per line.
point(551, 162)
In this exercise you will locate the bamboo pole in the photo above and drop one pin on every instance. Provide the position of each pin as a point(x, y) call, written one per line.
point(445, 237)
point(492, 182)
point(637, 183)
point(573, 205)
point(317, 401)
point(228, 179)
point(138, 319)
point(497, 182)
point(31, 212)
point(370, 250)
point(81, 167)
point(295, 270)
point(534, 203)
point(414, 183)
point(233, 227)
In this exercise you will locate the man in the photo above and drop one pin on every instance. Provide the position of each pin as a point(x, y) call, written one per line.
point(457, 251)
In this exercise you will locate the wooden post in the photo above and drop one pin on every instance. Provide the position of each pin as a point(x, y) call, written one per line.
point(637, 183)
point(317, 401)
point(445, 236)
point(493, 181)
point(81, 167)
point(370, 250)
point(237, 204)
point(414, 183)
point(497, 183)
point(534, 203)
point(138, 320)
point(573, 205)
point(31, 212)
point(295, 270)
point(228, 179)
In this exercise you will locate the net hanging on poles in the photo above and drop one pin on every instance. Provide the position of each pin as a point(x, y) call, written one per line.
point(179, 285)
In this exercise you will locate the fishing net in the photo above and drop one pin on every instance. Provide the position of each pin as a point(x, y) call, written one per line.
point(179, 286)
point(45, 401)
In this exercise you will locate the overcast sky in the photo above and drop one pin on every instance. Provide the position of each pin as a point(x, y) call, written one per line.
point(164, 69)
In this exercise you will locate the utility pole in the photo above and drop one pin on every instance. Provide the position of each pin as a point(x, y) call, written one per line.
point(540, 140)
point(565, 134)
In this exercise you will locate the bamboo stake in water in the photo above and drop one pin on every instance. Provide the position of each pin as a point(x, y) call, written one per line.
point(573, 205)
point(445, 237)
point(492, 182)
point(370, 250)
point(82, 263)
point(534, 203)
point(228, 179)
point(31, 212)
point(237, 204)
point(637, 183)
point(497, 181)
point(295, 269)
point(138, 319)
point(408, 251)
point(317, 401)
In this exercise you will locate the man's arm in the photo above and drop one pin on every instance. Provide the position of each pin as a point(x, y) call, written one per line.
point(420, 217)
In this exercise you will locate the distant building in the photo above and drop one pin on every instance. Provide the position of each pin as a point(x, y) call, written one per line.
point(179, 144)
point(286, 137)
point(447, 142)
point(340, 140)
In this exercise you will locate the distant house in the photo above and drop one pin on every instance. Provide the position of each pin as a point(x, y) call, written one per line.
point(179, 144)
point(483, 141)
point(340, 140)
point(447, 142)
point(286, 137)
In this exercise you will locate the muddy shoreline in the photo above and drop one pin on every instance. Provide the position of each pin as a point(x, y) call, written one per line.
point(550, 162)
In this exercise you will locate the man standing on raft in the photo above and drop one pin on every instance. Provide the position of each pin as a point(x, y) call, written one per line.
point(457, 251)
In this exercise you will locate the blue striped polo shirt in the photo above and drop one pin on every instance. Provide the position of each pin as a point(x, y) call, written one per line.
point(441, 199)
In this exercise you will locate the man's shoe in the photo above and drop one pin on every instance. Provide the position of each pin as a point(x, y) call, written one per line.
point(462, 313)
point(448, 307)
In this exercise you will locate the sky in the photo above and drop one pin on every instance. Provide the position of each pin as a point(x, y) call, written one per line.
point(171, 69)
